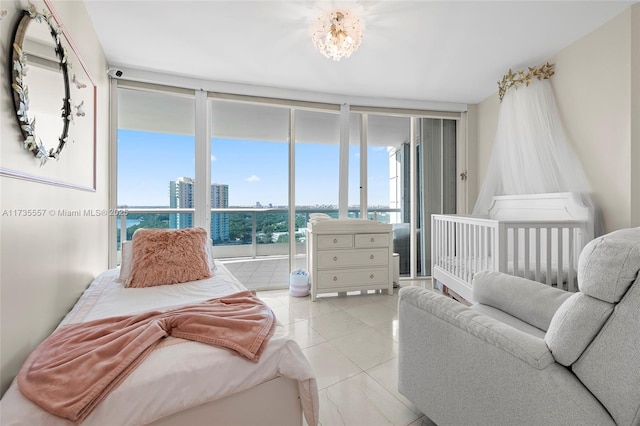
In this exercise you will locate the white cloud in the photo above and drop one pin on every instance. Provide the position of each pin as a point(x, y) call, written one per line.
point(213, 158)
point(252, 178)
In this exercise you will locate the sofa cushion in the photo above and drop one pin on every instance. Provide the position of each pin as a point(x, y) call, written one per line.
point(575, 324)
point(609, 264)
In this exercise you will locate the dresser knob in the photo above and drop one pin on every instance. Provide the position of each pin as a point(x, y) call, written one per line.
point(373, 239)
point(335, 278)
point(335, 240)
point(371, 257)
point(335, 258)
point(371, 276)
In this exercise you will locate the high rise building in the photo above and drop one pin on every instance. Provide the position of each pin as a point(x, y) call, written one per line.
point(219, 221)
point(181, 195)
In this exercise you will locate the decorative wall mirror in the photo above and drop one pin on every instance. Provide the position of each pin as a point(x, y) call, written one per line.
point(41, 86)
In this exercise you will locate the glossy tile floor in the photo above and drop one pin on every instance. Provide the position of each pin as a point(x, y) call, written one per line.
point(351, 342)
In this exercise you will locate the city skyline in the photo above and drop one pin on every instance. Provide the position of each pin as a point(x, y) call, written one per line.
point(255, 171)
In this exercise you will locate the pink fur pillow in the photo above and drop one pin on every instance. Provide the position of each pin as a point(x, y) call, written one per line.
point(168, 256)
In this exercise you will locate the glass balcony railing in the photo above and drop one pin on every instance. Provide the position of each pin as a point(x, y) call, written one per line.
point(238, 232)
point(254, 234)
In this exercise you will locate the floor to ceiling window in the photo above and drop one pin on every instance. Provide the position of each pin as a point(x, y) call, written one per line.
point(271, 163)
point(388, 178)
point(156, 159)
point(249, 179)
point(317, 166)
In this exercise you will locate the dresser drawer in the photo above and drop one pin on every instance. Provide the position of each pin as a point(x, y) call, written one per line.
point(329, 241)
point(353, 278)
point(371, 240)
point(362, 257)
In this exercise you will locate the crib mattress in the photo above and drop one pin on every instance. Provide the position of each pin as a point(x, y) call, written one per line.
point(464, 266)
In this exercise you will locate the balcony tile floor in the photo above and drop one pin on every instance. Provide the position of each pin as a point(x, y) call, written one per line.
point(269, 272)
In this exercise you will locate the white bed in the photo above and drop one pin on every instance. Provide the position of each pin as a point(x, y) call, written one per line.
point(537, 236)
point(184, 382)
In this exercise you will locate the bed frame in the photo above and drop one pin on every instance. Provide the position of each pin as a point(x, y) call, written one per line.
point(272, 403)
point(538, 236)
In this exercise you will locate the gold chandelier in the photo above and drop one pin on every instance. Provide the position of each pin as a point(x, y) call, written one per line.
point(337, 34)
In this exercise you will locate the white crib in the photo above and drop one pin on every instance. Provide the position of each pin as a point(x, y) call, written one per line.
point(538, 236)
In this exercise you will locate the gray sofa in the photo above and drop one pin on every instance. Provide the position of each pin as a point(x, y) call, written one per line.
point(526, 353)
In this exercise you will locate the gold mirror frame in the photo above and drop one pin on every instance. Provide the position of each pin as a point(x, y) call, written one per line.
point(19, 63)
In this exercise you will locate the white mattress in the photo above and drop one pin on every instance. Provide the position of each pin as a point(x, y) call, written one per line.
point(179, 374)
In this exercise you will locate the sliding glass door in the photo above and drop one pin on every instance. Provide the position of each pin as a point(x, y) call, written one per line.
point(399, 194)
point(436, 177)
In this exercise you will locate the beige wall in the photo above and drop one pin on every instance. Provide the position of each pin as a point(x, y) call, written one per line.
point(46, 262)
point(593, 86)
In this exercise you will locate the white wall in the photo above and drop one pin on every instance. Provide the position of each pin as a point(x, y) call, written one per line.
point(46, 262)
point(593, 86)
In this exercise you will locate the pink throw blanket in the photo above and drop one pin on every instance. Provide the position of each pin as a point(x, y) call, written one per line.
point(76, 367)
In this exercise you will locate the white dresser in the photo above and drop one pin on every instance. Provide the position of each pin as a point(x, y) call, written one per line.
point(349, 254)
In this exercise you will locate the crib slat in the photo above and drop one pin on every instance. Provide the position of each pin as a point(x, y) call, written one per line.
point(474, 251)
point(469, 258)
point(537, 250)
point(559, 271)
point(571, 285)
point(502, 243)
point(447, 252)
point(435, 243)
point(527, 232)
point(465, 253)
point(485, 249)
point(516, 266)
point(458, 250)
point(454, 248)
point(549, 245)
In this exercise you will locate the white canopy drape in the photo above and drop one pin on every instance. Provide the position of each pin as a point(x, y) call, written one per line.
point(531, 154)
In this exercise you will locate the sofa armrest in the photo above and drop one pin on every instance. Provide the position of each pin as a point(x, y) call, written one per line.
point(521, 345)
point(530, 301)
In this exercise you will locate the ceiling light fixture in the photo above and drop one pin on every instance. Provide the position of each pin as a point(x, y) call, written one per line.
point(337, 34)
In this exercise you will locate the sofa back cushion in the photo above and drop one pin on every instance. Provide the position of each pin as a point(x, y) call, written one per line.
point(610, 365)
point(574, 325)
point(609, 264)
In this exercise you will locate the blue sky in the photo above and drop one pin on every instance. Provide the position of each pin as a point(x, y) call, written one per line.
point(255, 171)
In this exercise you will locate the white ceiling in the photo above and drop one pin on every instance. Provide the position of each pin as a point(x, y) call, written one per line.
point(445, 51)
